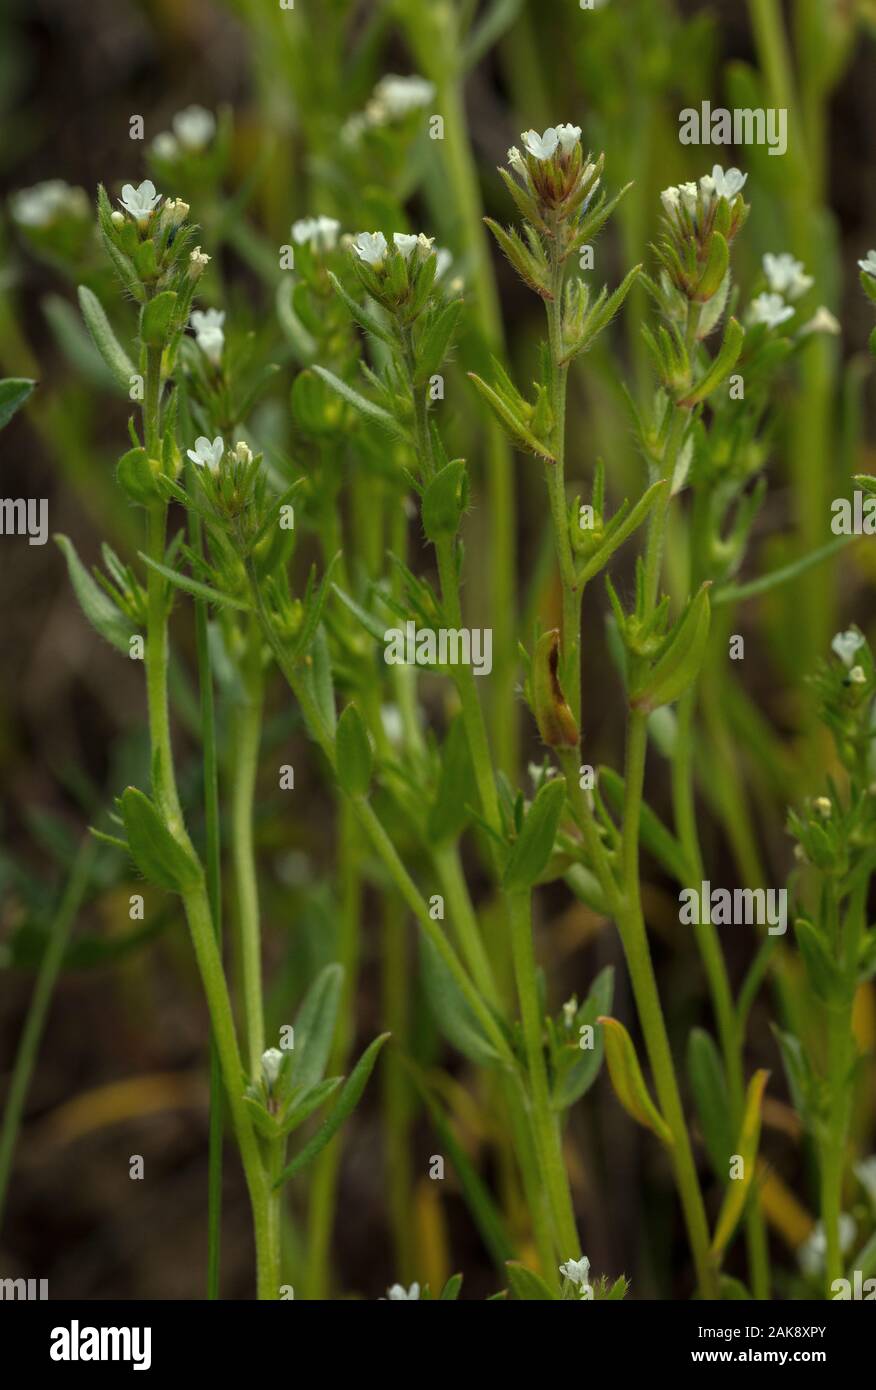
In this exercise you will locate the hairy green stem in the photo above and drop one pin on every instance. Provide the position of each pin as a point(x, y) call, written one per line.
point(247, 727)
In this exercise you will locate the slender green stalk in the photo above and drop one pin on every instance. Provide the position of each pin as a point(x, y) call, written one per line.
point(47, 975)
point(544, 1119)
point(396, 1088)
point(244, 763)
point(213, 865)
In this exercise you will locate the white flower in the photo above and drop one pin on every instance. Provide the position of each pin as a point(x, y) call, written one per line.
point(194, 127)
point(198, 261)
point(569, 135)
point(865, 1172)
point(242, 452)
point(857, 676)
point(689, 194)
point(541, 146)
point(404, 243)
point(140, 202)
point(397, 1292)
point(729, 184)
point(174, 212)
point(517, 162)
point(165, 145)
point(824, 806)
point(869, 265)
point(822, 321)
point(578, 1273)
point(396, 96)
point(845, 644)
point(785, 275)
point(670, 200)
point(272, 1060)
point(207, 324)
point(320, 232)
point(207, 455)
point(812, 1252)
point(40, 205)
point(570, 1008)
point(770, 309)
point(425, 244)
point(370, 247)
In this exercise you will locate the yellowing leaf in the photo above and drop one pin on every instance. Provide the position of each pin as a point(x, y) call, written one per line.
point(628, 1081)
point(737, 1191)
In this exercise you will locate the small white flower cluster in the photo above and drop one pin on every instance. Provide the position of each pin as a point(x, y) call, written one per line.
point(845, 645)
point(770, 309)
point(209, 455)
point(718, 184)
point(193, 129)
point(786, 276)
point(372, 247)
point(393, 98)
point(45, 202)
point(209, 336)
point(545, 146)
point(787, 280)
point(319, 232)
point(578, 1273)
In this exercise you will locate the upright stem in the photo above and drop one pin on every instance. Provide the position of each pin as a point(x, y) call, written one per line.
point(544, 1118)
point(244, 755)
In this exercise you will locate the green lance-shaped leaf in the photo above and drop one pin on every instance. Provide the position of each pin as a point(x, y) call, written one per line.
point(601, 315)
point(353, 750)
point(531, 271)
point(194, 586)
point(457, 790)
point(156, 320)
point(361, 315)
point(533, 847)
point(628, 1081)
point(158, 855)
point(369, 409)
point(528, 1286)
point(554, 718)
point(346, 1103)
point(14, 391)
point(519, 432)
point(112, 624)
point(738, 1189)
point(682, 656)
point(709, 1086)
point(315, 1028)
point(305, 1105)
point(823, 973)
point(104, 338)
point(445, 501)
point(715, 269)
point(434, 342)
point(721, 367)
point(451, 1289)
point(577, 1067)
point(653, 834)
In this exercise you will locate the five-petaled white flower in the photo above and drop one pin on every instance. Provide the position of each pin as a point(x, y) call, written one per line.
point(845, 644)
point(140, 202)
point(785, 275)
point(578, 1273)
point(207, 455)
point(397, 1292)
point(207, 324)
point(405, 243)
point(370, 247)
point(319, 232)
point(723, 185)
point(770, 309)
point(194, 127)
point(541, 146)
point(869, 265)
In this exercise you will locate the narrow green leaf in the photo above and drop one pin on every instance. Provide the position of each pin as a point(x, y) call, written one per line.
point(156, 321)
point(361, 315)
point(628, 1081)
point(451, 1010)
point(709, 1087)
point(315, 1028)
point(738, 1188)
point(522, 436)
point(722, 366)
point(112, 624)
point(346, 1103)
point(681, 659)
point(734, 593)
point(575, 1076)
point(445, 500)
point(369, 409)
point(534, 845)
point(194, 586)
point(354, 757)
point(104, 338)
point(158, 855)
point(14, 391)
point(528, 1286)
